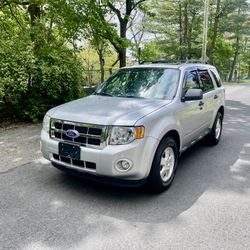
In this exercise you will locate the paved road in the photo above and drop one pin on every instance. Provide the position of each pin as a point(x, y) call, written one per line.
point(208, 206)
point(19, 145)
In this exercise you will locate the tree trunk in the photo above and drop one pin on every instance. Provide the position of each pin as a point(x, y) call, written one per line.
point(185, 35)
point(91, 74)
point(236, 53)
point(122, 52)
point(122, 57)
point(34, 12)
point(248, 74)
point(113, 65)
point(189, 42)
point(180, 31)
point(130, 5)
point(101, 62)
point(215, 30)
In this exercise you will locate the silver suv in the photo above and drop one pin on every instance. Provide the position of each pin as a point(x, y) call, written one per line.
point(135, 126)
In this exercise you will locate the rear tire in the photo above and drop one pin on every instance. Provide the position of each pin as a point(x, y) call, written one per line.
point(164, 165)
point(214, 136)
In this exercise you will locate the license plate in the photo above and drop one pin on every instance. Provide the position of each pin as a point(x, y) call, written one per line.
point(69, 150)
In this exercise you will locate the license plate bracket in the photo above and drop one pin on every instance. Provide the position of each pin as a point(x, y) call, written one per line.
point(69, 150)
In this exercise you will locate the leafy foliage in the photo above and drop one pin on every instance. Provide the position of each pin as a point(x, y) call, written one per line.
point(177, 30)
point(40, 63)
point(37, 71)
point(91, 63)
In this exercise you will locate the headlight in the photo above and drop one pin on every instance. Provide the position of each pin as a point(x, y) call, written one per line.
point(124, 135)
point(46, 123)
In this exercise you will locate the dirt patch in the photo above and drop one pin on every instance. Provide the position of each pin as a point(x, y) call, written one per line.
point(19, 144)
point(6, 125)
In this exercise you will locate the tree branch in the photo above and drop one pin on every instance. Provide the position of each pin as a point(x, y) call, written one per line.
point(21, 3)
point(12, 13)
point(116, 61)
point(7, 3)
point(114, 9)
point(132, 19)
point(138, 3)
point(4, 3)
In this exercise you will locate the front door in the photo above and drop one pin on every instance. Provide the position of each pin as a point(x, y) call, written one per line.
point(191, 115)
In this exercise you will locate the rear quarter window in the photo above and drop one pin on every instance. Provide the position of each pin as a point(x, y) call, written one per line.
point(216, 77)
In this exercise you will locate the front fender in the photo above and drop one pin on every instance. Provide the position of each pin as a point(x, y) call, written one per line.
point(159, 124)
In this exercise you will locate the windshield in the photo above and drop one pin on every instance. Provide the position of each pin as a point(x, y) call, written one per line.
point(152, 83)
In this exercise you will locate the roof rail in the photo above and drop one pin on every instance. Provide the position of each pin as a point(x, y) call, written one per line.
point(173, 61)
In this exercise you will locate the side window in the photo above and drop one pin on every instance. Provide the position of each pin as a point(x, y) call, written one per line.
point(192, 81)
point(206, 81)
point(216, 78)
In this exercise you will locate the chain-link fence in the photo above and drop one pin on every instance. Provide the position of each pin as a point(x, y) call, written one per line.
point(94, 76)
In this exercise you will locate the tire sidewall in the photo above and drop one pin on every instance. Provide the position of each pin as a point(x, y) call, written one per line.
point(155, 177)
point(218, 117)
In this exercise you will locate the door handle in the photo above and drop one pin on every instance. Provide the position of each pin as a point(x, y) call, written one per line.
point(201, 103)
point(215, 97)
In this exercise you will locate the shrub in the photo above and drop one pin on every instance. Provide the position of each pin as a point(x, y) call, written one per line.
point(31, 82)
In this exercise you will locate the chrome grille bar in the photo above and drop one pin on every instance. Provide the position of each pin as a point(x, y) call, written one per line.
point(90, 135)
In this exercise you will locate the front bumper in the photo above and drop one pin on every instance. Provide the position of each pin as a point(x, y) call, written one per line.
point(140, 152)
point(103, 179)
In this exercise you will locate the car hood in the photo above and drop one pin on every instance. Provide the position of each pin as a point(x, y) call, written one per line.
point(106, 110)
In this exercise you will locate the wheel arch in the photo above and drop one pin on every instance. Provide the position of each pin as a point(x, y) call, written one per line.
point(153, 177)
point(175, 135)
point(221, 110)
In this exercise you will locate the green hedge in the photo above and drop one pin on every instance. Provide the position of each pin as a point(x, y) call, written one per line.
point(32, 81)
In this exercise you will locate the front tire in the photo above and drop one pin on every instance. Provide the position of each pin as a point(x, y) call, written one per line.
point(164, 165)
point(214, 136)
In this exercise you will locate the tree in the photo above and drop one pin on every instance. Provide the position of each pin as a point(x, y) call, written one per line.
point(219, 11)
point(237, 25)
point(123, 11)
point(137, 29)
point(177, 24)
point(90, 61)
point(38, 67)
point(176, 28)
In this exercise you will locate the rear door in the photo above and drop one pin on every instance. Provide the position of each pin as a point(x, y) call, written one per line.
point(209, 96)
point(219, 92)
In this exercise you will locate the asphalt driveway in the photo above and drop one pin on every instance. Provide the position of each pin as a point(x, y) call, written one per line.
point(207, 207)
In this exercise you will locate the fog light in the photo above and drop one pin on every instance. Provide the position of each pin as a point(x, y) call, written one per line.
point(123, 165)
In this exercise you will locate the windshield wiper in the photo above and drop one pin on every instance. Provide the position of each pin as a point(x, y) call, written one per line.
point(131, 96)
point(103, 94)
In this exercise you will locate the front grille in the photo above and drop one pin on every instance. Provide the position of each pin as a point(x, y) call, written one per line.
point(89, 135)
point(77, 163)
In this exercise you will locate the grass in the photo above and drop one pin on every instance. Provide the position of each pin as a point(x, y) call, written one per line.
point(236, 82)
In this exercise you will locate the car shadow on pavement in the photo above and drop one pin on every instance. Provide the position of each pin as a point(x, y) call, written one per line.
point(44, 195)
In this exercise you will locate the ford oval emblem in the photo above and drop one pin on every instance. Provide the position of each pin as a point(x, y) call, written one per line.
point(72, 133)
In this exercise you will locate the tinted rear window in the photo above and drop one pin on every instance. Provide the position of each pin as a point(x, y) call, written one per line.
point(216, 78)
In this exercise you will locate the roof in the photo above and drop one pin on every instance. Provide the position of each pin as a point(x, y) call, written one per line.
point(181, 65)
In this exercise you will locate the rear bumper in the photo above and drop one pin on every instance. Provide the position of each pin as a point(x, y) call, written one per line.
point(140, 153)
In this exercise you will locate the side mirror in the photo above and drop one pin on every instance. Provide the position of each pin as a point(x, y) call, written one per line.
point(193, 95)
